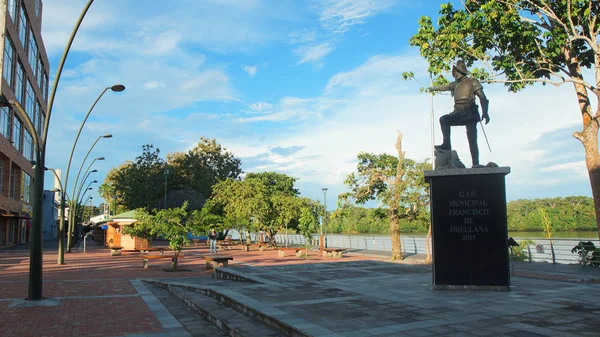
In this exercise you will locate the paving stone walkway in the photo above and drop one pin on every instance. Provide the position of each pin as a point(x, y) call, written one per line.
point(371, 298)
point(96, 294)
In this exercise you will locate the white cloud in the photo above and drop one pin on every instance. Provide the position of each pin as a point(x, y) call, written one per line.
point(313, 53)
point(154, 85)
point(251, 70)
point(261, 106)
point(336, 17)
point(339, 16)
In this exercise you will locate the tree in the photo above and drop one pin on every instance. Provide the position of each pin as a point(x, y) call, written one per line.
point(308, 223)
point(136, 184)
point(394, 182)
point(144, 226)
point(523, 42)
point(202, 167)
point(259, 200)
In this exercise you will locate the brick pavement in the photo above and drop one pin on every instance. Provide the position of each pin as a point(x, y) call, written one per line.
point(100, 295)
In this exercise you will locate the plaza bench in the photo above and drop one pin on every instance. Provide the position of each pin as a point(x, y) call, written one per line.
point(333, 252)
point(299, 251)
point(146, 258)
point(225, 245)
point(197, 242)
point(213, 262)
point(115, 251)
point(154, 249)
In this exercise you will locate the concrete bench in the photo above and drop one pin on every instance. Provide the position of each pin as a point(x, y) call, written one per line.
point(146, 258)
point(299, 251)
point(214, 262)
point(333, 252)
point(115, 251)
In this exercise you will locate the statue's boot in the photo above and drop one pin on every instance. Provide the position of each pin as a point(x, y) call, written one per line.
point(446, 134)
point(443, 146)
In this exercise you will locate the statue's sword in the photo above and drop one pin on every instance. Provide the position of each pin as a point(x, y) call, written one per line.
point(486, 140)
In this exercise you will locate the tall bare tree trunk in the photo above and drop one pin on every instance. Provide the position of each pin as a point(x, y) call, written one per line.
point(589, 135)
point(394, 225)
point(428, 259)
point(395, 235)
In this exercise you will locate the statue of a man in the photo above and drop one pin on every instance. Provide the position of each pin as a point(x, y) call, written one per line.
point(465, 110)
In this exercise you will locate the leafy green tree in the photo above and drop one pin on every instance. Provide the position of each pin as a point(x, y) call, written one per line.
point(258, 201)
point(392, 181)
point(523, 42)
point(200, 168)
point(308, 223)
point(144, 226)
point(137, 184)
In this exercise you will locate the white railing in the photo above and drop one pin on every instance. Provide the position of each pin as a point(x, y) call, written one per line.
point(538, 251)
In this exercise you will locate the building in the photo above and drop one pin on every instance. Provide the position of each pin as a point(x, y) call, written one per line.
point(25, 69)
point(50, 216)
point(113, 235)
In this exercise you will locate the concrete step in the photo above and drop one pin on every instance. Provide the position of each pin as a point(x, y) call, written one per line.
point(233, 323)
point(188, 317)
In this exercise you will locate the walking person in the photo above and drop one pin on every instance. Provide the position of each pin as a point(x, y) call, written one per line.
point(212, 238)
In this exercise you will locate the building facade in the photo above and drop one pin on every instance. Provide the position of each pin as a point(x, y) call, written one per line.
point(25, 67)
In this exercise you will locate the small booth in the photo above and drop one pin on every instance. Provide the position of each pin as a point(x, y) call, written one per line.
point(114, 236)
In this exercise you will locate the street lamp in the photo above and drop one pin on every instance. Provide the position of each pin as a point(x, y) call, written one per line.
point(75, 192)
point(35, 283)
point(166, 176)
point(73, 204)
point(324, 189)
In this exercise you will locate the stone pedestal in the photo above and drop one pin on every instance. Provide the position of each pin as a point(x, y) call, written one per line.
point(469, 228)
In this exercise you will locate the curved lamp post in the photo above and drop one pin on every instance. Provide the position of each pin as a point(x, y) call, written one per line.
point(34, 292)
point(115, 88)
point(74, 193)
point(73, 203)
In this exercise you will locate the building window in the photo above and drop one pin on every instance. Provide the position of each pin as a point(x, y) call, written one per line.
point(39, 74)
point(26, 187)
point(13, 183)
point(1, 183)
point(23, 28)
point(27, 145)
point(11, 231)
point(33, 53)
point(45, 90)
point(17, 130)
point(19, 84)
point(8, 66)
point(39, 125)
point(42, 121)
point(12, 9)
point(5, 122)
point(38, 6)
point(30, 102)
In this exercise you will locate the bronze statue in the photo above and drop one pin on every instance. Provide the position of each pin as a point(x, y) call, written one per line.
point(465, 111)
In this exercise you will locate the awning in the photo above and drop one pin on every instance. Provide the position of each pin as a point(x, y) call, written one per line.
point(15, 216)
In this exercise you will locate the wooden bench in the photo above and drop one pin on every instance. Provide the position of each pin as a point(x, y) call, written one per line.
point(196, 242)
point(299, 251)
point(154, 249)
point(333, 252)
point(225, 245)
point(145, 258)
point(214, 261)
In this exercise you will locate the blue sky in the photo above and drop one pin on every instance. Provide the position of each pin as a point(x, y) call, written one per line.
point(298, 87)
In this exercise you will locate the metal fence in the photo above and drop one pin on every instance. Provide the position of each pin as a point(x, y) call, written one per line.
point(535, 250)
